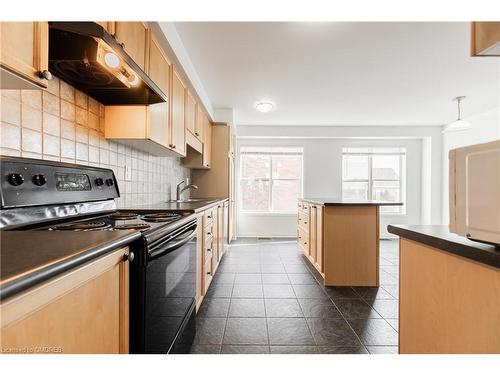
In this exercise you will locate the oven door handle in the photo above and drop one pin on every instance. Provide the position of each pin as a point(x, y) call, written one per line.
point(174, 245)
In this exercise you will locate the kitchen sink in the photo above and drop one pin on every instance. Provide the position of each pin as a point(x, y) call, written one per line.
point(190, 200)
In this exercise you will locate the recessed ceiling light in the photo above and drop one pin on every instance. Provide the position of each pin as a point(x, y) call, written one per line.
point(264, 106)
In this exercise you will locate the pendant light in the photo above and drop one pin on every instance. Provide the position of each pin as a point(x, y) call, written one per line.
point(459, 124)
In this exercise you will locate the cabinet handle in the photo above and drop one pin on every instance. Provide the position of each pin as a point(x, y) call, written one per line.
point(196, 133)
point(209, 233)
point(209, 273)
point(45, 74)
point(209, 217)
point(130, 257)
point(171, 145)
point(123, 45)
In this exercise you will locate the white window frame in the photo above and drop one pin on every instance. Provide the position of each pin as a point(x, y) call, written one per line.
point(402, 168)
point(271, 180)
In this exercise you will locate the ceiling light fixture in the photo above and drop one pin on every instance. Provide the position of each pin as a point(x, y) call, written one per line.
point(264, 106)
point(458, 124)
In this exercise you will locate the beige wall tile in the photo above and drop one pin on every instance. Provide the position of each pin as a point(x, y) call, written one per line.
point(93, 121)
point(31, 141)
point(51, 145)
point(33, 155)
point(67, 110)
point(67, 92)
point(50, 103)
point(82, 116)
point(51, 157)
point(81, 99)
point(51, 124)
point(93, 138)
point(9, 152)
point(10, 110)
point(68, 149)
point(31, 118)
point(93, 154)
point(93, 106)
point(32, 98)
point(68, 129)
point(82, 134)
point(82, 151)
point(104, 156)
point(53, 86)
point(10, 136)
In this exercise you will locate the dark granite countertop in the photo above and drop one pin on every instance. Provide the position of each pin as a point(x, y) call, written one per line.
point(194, 206)
point(348, 202)
point(31, 257)
point(440, 237)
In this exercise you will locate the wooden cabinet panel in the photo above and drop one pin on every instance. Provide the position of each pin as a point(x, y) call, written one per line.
point(319, 239)
point(220, 232)
point(177, 129)
point(158, 66)
point(24, 51)
point(199, 123)
point(207, 144)
point(485, 39)
point(190, 113)
point(81, 311)
point(133, 35)
point(158, 129)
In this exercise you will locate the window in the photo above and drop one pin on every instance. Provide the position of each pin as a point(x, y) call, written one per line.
point(376, 173)
point(270, 178)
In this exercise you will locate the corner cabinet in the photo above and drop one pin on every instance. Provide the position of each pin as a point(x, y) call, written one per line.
point(24, 55)
point(83, 311)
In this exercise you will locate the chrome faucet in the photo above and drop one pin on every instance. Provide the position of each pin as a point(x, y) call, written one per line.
point(180, 190)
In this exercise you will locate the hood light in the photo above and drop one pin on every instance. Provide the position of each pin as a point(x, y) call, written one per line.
point(264, 106)
point(111, 60)
point(133, 79)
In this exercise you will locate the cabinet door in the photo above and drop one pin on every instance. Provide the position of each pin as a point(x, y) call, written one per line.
point(220, 232)
point(319, 239)
point(199, 123)
point(207, 144)
point(190, 113)
point(215, 241)
point(177, 129)
point(72, 313)
point(133, 35)
point(158, 66)
point(25, 49)
point(109, 26)
point(312, 234)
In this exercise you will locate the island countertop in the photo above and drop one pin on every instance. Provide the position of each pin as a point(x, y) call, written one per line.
point(439, 237)
point(349, 202)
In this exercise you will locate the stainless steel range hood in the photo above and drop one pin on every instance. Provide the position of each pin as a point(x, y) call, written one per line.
point(86, 56)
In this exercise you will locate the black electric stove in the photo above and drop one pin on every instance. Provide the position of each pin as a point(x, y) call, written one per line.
point(44, 195)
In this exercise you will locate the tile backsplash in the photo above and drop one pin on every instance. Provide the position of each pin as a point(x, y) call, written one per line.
point(63, 124)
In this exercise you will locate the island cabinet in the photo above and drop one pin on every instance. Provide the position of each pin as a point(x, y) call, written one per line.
point(341, 239)
point(449, 293)
point(24, 55)
point(85, 310)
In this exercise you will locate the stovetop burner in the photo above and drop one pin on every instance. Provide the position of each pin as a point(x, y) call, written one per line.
point(138, 226)
point(123, 216)
point(83, 226)
point(161, 217)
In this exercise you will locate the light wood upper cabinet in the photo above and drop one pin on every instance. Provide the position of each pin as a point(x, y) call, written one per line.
point(23, 53)
point(81, 311)
point(199, 124)
point(133, 36)
point(485, 39)
point(177, 129)
point(207, 144)
point(190, 113)
point(158, 66)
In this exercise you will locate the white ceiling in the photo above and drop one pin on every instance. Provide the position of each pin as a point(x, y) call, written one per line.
point(341, 73)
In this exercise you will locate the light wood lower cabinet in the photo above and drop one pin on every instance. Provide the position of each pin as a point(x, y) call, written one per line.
point(310, 233)
point(24, 54)
point(447, 304)
point(85, 310)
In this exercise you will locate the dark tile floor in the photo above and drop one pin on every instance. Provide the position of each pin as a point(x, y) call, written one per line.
point(265, 298)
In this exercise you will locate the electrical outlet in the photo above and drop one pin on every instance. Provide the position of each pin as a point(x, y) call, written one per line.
point(128, 173)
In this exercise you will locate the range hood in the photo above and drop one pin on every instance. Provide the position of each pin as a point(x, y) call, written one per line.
point(87, 57)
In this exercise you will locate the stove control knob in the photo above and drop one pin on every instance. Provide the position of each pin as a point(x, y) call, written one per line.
point(16, 179)
point(99, 181)
point(110, 182)
point(39, 179)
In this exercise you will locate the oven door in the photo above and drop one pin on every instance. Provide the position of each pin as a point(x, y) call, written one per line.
point(170, 290)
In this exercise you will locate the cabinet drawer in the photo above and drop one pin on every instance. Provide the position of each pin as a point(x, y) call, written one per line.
point(303, 221)
point(208, 230)
point(303, 240)
point(207, 273)
point(208, 245)
point(208, 217)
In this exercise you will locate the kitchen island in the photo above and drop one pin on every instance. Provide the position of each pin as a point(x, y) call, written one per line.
point(341, 239)
point(449, 292)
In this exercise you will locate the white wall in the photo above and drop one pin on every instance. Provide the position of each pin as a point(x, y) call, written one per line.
point(322, 173)
point(485, 128)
